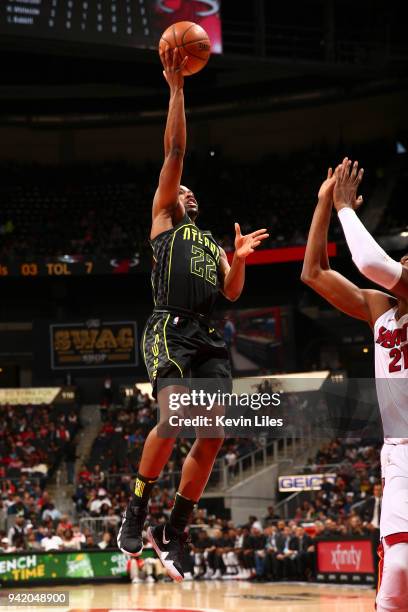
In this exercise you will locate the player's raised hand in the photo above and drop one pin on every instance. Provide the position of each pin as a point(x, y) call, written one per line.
point(348, 179)
point(245, 245)
point(326, 188)
point(173, 66)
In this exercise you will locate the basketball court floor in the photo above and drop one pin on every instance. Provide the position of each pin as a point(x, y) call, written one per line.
point(215, 597)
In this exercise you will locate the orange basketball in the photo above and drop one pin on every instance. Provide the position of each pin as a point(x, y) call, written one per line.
point(192, 40)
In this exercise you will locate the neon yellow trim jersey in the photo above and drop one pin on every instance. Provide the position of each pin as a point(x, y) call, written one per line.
point(186, 268)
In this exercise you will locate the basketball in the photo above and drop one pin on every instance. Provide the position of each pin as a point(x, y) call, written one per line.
point(192, 40)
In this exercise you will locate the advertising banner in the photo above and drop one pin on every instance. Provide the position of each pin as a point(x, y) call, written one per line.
point(345, 560)
point(93, 344)
point(30, 395)
point(304, 482)
point(25, 568)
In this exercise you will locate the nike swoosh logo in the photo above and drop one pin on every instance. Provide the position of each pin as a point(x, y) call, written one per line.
point(164, 536)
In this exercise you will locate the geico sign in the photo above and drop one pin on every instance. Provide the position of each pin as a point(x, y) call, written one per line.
point(304, 482)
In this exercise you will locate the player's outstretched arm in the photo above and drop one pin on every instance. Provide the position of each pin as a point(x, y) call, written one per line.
point(234, 275)
point(369, 257)
point(166, 209)
point(335, 288)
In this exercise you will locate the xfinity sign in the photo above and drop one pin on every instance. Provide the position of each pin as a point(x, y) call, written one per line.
point(304, 482)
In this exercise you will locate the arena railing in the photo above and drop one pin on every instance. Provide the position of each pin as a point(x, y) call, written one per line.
point(272, 451)
point(98, 525)
point(224, 475)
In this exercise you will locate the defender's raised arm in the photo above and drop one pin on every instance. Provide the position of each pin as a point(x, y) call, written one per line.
point(339, 291)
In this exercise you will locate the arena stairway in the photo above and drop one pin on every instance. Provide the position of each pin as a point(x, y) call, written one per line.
point(60, 491)
point(255, 487)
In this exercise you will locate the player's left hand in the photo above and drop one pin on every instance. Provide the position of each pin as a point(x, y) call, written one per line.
point(245, 245)
point(326, 188)
point(348, 179)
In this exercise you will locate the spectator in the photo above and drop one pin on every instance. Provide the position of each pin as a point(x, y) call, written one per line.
point(271, 517)
point(32, 543)
point(5, 546)
point(69, 542)
point(89, 542)
point(70, 457)
point(303, 544)
point(231, 461)
point(18, 529)
point(284, 566)
point(106, 541)
point(370, 510)
point(51, 541)
point(78, 537)
point(99, 500)
point(51, 512)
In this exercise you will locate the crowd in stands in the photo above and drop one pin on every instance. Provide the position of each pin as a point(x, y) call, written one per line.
point(33, 439)
point(264, 548)
point(52, 532)
point(104, 210)
point(271, 548)
point(116, 452)
point(268, 548)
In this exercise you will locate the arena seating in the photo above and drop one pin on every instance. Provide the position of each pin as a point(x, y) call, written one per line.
point(33, 441)
point(264, 548)
point(104, 210)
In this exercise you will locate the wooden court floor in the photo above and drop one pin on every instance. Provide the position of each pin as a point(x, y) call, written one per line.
point(216, 596)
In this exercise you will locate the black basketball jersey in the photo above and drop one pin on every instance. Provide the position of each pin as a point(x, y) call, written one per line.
point(186, 268)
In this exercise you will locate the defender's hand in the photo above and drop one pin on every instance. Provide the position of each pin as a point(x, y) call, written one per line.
point(173, 67)
point(245, 245)
point(348, 179)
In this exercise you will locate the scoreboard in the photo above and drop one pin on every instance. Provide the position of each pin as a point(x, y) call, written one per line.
point(122, 22)
point(72, 265)
point(128, 23)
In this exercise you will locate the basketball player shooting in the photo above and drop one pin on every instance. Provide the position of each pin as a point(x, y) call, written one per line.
point(178, 341)
point(387, 315)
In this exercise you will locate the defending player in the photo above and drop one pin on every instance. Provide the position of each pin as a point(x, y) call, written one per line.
point(178, 341)
point(388, 317)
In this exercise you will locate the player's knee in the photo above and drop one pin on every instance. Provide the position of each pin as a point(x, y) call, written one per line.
point(397, 566)
point(391, 601)
point(213, 444)
point(392, 594)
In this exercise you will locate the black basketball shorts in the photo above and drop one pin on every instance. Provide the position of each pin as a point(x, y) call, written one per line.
point(182, 347)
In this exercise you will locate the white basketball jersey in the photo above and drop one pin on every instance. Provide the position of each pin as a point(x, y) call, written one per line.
point(391, 373)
